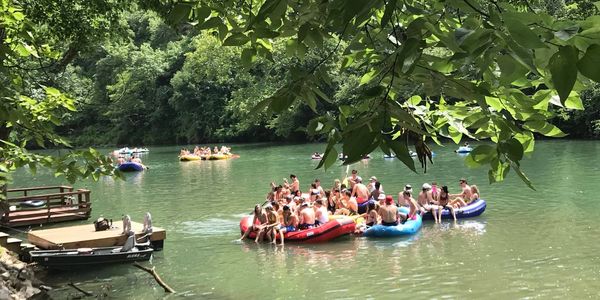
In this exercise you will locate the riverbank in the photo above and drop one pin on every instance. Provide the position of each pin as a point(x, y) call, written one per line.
point(17, 279)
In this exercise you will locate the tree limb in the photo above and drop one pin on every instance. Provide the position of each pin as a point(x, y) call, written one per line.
point(152, 272)
point(476, 9)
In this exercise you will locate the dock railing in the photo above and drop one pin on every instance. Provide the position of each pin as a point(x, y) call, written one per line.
point(57, 202)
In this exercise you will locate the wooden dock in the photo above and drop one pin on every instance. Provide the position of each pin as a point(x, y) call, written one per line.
point(85, 236)
point(59, 204)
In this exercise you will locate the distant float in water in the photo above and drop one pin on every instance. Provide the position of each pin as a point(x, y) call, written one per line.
point(464, 149)
point(344, 157)
point(129, 151)
point(317, 156)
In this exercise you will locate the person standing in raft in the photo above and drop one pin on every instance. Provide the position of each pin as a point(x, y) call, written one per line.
point(360, 191)
point(295, 186)
point(260, 218)
point(353, 179)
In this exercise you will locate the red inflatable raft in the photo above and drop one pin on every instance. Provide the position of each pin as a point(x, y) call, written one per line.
point(323, 233)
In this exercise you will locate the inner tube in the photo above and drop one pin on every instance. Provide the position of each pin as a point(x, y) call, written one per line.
point(32, 203)
point(189, 157)
point(464, 149)
point(473, 209)
point(130, 167)
point(409, 227)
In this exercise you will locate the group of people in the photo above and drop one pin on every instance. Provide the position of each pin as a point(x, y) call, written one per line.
point(132, 158)
point(289, 209)
point(206, 151)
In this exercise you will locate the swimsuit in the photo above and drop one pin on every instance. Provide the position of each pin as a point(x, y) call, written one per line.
point(306, 226)
point(384, 223)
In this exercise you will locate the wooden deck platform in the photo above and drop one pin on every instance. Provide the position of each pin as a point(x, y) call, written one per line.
point(59, 203)
point(85, 236)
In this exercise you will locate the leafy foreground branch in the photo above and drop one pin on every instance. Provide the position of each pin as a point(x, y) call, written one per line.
point(429, 69)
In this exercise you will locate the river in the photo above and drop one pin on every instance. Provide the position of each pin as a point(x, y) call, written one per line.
point(527, 244)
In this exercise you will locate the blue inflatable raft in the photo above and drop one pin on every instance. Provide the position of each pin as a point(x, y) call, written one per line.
point(408, 228)
point(464, 149)
point(130, 167)
point(474, 209)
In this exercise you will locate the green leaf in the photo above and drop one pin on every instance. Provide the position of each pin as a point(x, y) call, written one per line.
point(248, 56)
point(357, 142)
point(483, 154)
point(574, 101)
point(513, 149)
point(180, 13)
point(525, 179)
point(563, 67)
point(401, 150)
point(213, 22)
point(567, 33)
point(589, 64)
point(522, 34)
point(236, 39)
point(390, 6)
point(544, 128)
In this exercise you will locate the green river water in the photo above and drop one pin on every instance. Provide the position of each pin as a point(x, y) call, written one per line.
point(528, 244)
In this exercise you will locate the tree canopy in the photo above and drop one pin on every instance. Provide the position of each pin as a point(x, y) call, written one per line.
point(365, 74)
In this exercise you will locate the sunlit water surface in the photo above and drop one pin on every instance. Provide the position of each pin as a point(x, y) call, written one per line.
point(528, 244)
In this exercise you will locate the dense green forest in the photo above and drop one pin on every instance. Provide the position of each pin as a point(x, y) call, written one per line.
point(360, 74)
point(149, 82)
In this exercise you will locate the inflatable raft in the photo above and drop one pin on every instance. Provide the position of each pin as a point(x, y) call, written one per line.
point(409, 227)
point(218, 156)
point(316, 156)
point(473, 209)
point(464, 149)
point(189, 157)
point(130, 167)
point(326, 232)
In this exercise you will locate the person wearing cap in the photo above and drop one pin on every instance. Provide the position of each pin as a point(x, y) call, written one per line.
point(306, 217)
point(425, 201)
point(372, 182)
point(401, 202)
point(389, 212)
point(360, 191)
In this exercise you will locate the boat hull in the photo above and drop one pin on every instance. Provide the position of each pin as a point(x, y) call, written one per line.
point(130, 167)
point(72, 258)
point(474, 209)
point(324, 233)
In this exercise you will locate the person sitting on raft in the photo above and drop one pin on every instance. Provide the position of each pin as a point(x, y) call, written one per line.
point(260, 218)
point(389, 212)
point(321, 213)
point(348, 205)
point(372, 217)
point(444, 202)
point(314, 192)
point(460, 200)
point(401, 202)
point(289, 222)
point(270, 229)
point(306, 216)
point(425, 201)
point(412, 205)
point(120, 160)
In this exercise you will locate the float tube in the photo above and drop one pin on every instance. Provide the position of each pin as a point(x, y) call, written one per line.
point(464, 149)
point(189, 157)
point(409, 227)
point(473, 209)
point(316, 156)
point(324, 233)
point(32, 203)
point(218, 157)
point(130, 167)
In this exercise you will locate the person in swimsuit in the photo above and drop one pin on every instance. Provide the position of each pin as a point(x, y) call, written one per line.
point(260, 218)
point(464, 197)
point(474, 193)
point(389, 212)
point(295, 186)
point(412, 205)
point(372, 217)
point(289, 222)
point(270, 229)
point(444, 202)
point(321, 213)
point(307, 217)
point(314, 192)
point(426, 203)
point(360, 191)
